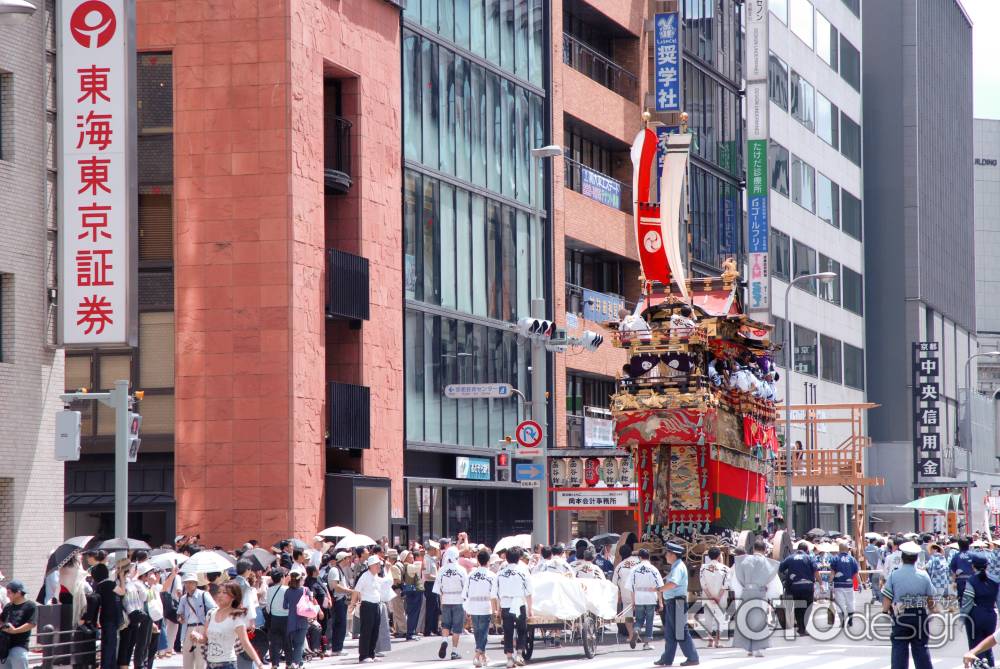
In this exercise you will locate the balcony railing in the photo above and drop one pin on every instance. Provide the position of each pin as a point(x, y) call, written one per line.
point(350, 416)
point(347, 286)
point(599, 67)
point(592, 304)
point(597, 186)
point(337, 154)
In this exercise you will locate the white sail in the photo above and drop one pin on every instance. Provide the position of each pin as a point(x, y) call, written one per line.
point(673, 179)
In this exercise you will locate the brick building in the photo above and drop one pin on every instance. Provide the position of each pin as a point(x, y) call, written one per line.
point(269, 170)
point(31, 368)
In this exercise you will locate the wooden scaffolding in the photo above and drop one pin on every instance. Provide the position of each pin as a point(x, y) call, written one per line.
point(842, 465)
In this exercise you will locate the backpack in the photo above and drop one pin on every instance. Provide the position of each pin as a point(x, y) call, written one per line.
point(169, 606)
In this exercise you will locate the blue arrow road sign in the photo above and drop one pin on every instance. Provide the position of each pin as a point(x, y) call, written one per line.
point(527, 472)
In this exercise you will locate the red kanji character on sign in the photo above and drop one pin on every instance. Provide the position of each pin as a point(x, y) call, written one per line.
point(95, 129)
point(94, 174)
point(94, 83)
point(95, 312)
point(92, 267)
point(94, 217)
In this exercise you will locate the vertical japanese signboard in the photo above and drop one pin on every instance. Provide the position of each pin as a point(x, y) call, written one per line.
point(757, 225)
point(97, 175)
point(927, 413)
point(756, 57)
point(667, 61)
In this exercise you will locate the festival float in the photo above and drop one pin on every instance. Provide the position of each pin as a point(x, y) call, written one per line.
point(695, 407)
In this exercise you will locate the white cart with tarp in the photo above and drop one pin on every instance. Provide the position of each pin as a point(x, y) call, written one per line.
point(573, 610)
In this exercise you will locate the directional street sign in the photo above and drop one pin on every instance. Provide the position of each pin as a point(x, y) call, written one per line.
point(478, 391)
point(529, 472)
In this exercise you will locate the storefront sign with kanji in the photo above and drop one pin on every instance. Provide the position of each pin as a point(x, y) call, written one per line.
point(97, 194)
point(927, 414)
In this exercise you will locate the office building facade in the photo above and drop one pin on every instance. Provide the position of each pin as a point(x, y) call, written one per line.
point(919, 253)
point(986, 158)
point(816, 195)
point(270, 278)
point(31, 368)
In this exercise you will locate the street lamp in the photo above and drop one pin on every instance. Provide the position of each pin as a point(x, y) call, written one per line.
point(15, 11)
point(825, 277)
point(958, 441)
point(540, 497)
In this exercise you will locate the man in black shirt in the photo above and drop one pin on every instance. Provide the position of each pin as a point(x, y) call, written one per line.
point(17, 620)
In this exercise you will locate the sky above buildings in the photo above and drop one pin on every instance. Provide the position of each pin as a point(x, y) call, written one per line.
point(986, 56)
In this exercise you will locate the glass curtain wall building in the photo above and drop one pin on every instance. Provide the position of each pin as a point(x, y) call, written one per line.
point(713, 72)
point(474, 104)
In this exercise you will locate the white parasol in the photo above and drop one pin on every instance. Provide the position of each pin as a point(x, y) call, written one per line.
point(335, 532)
point(354, 541)
point(166, 561)
point(205, 562)
point(519, 540)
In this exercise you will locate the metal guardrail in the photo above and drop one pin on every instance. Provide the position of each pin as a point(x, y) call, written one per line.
point(600, 68)
point(574, 180)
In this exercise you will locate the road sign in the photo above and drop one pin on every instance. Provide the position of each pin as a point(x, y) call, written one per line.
point(529, 472)
point(478, 391)
point(531, 484)
point(528, 434)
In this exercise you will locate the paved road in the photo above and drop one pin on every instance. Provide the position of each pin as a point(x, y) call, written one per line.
point(802, 653)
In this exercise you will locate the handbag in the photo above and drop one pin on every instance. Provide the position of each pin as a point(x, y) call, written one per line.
point(169, 606)
point(306, 607)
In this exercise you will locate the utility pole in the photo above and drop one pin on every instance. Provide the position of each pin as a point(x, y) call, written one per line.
point(119, 400)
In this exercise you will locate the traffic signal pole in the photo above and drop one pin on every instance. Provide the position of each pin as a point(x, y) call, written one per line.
point(119, 400)
point(540, 495)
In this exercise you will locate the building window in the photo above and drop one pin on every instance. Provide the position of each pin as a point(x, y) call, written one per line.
point(6, 318)
point(778, 335)
point(850, 63)
point(156, 350)
point(851, 215)
point(854, 291)
point(828, 200)
point(827, 121)
point(827, 41)
point(441, 351)
point(854, 367)
point(850, 139)
point(854, 6)
point(777, 78)
point(509, 34)
point(6, 116)
point(780, 9)
point(803, 184)
point(804, 262)
point(831, 365)
point(777, 156)
point(800, 20)
point(446, 98)
point(780, 255)
point(803, 105)
point(805, 351)
point(829, 290)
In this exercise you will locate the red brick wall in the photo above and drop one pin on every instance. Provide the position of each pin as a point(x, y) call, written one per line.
point(249, 241)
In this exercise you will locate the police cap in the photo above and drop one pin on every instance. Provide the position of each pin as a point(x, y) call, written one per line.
point(910, 548)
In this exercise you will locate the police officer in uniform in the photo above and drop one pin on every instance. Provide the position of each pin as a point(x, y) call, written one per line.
point(909, 596)
point(800, 571)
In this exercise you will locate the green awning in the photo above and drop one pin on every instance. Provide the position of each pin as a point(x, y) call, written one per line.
point(933, 503)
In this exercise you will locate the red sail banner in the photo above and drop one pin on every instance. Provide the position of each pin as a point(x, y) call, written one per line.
point(648, 227)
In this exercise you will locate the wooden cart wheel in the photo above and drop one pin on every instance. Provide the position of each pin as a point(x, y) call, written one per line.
point(589, 634)
point(745, 541)
point(782, 545)
point(529, 643)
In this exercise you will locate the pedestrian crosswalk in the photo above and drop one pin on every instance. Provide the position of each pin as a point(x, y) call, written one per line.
point(833, 657)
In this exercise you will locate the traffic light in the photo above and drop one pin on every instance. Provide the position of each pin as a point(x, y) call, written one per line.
point(503, 467)
point(590, 340)
point(536, 328)
point(134, 423)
